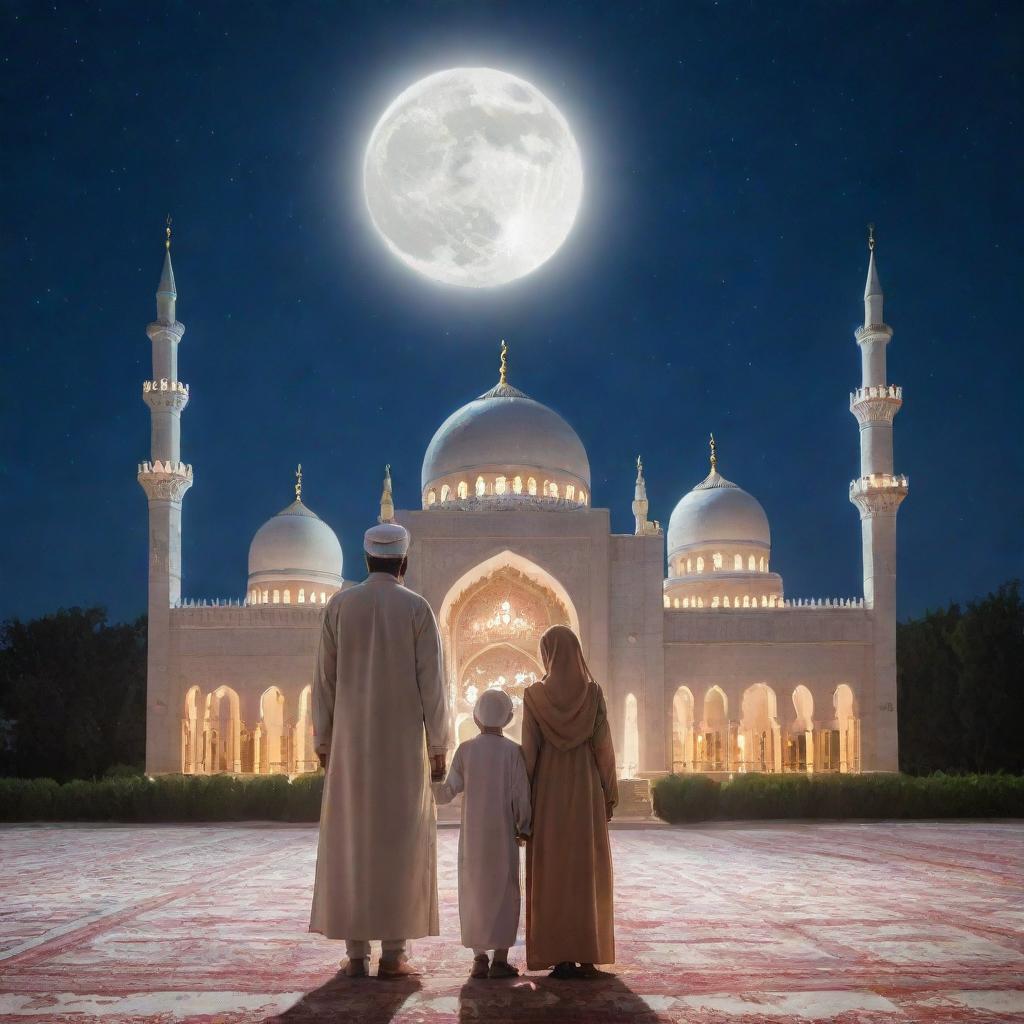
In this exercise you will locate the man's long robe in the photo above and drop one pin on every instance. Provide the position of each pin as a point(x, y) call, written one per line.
point(379, 707)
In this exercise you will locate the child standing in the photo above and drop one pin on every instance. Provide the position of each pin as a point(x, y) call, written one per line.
point(491, 772)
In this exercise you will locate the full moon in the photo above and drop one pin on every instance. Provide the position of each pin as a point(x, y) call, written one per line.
point(472, 177)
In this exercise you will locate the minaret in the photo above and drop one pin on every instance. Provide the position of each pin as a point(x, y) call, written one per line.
point(640, 503)
point(877, 493)
point(165, 479)
point(387, 502)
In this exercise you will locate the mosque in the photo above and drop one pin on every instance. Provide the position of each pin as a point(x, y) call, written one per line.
point(706, 664)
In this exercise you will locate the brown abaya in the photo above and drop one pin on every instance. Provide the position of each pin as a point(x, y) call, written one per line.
point(569, 757)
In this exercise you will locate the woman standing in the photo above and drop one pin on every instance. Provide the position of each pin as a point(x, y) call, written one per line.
point(569, 757)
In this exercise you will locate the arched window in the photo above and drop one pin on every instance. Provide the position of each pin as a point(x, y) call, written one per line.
point(554, 490)
point(312, 597)
point(686, 602)
point(531, 486)
point(302, 595)
point(481, 487)
point(752, 564)
point(463, 489)
point(762, 565)
point(517, 485)
point(746, 600)
point(689, 565)
point(737, 562)
point(726, 600)
point(570, 492)
point(714, 601)
point(700, 563)
point(675, 602)
point(583, 496)
point(764, 601)
point(700, 602)
point(277, 597)
point(323, 597)
point(499, 485)
point(431, 497)
point(266, 597)
point(287, 597)
point(445, 493)
point(716, 560)
point(668, 603)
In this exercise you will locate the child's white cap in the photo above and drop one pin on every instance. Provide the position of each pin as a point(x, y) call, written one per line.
point(493, 709)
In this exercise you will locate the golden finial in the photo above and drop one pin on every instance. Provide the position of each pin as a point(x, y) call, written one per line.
point(714, 455)
point(871, 238)
point(503, 373)
point(298, 483)
point(167, 240)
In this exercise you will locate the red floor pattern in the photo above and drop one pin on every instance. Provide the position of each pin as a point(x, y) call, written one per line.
point(857, 923)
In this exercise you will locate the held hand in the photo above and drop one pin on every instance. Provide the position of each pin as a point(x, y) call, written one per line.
point(608, 808)
point(437, 768)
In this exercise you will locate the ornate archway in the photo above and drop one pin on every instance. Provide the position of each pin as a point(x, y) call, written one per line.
point(491, 621)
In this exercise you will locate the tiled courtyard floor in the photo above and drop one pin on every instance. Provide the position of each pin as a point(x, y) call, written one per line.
point(775, 922)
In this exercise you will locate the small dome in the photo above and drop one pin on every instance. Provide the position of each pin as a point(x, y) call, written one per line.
point(504, 429)
point(716, 511)
point(296, 545)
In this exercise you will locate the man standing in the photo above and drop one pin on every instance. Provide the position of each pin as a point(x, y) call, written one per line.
point(379, 685)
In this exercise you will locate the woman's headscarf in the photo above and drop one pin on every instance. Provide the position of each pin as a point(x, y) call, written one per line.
point(565, 701)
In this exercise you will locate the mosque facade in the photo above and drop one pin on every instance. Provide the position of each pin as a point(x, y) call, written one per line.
point(706, 664)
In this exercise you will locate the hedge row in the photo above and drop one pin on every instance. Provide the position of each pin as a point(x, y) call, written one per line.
point(677, 798)
point(699, 798)
point(164, 798)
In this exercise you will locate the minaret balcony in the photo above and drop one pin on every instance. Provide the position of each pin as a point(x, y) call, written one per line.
point(165, 394)
point(873, 332)
point(879, 493)
point(165, 481)
point(876, 404)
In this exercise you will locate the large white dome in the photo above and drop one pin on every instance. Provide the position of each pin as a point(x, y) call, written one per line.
point(296, 545)
point(718, 512)
point(504, 429)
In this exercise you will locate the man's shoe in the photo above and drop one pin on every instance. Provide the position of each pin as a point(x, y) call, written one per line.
point(565, 971)
point(591, 973)
point(480, 966)
point(502, 969)
point(354, 967)
point(396, 968)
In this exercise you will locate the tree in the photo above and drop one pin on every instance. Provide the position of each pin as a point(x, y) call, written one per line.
point(73, 694)
point(960, 681)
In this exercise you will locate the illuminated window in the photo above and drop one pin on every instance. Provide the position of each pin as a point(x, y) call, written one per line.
point(737, 562)
point(689, 565)
point(764, 601)
point(570, 492)
point(700, 563)
point(445, 493)
point(463, 489)
point(752, 564)
point(277, 597)
point(700, 602)
point(266, 596)
point(323, 597)
point(716, 560)
point(531, 486)
point(726, 600)
point(480, 487)
point(312, 597)
point(762, 564)
point(686, 602)
point(668, 603)
point(517, 485)
point(746, 600)
point(302, 595)
point(431, 498)
point(675, 603)
point(499, 485)
point(583, 496)
point(287, 597)
point(714, 601)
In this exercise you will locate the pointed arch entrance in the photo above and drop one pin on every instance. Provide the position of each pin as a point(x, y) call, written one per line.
point(492, 619)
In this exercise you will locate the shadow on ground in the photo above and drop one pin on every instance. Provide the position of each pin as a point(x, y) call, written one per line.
point(541, 1000)
point(343, 999)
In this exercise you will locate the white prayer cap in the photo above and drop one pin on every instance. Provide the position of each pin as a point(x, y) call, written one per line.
point(386, 540)
point(493, 709)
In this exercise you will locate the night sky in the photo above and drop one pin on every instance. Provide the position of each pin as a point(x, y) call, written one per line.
point(733, 155)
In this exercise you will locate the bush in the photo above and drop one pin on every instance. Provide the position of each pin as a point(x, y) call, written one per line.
point(679, 798)
point(164, 798)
